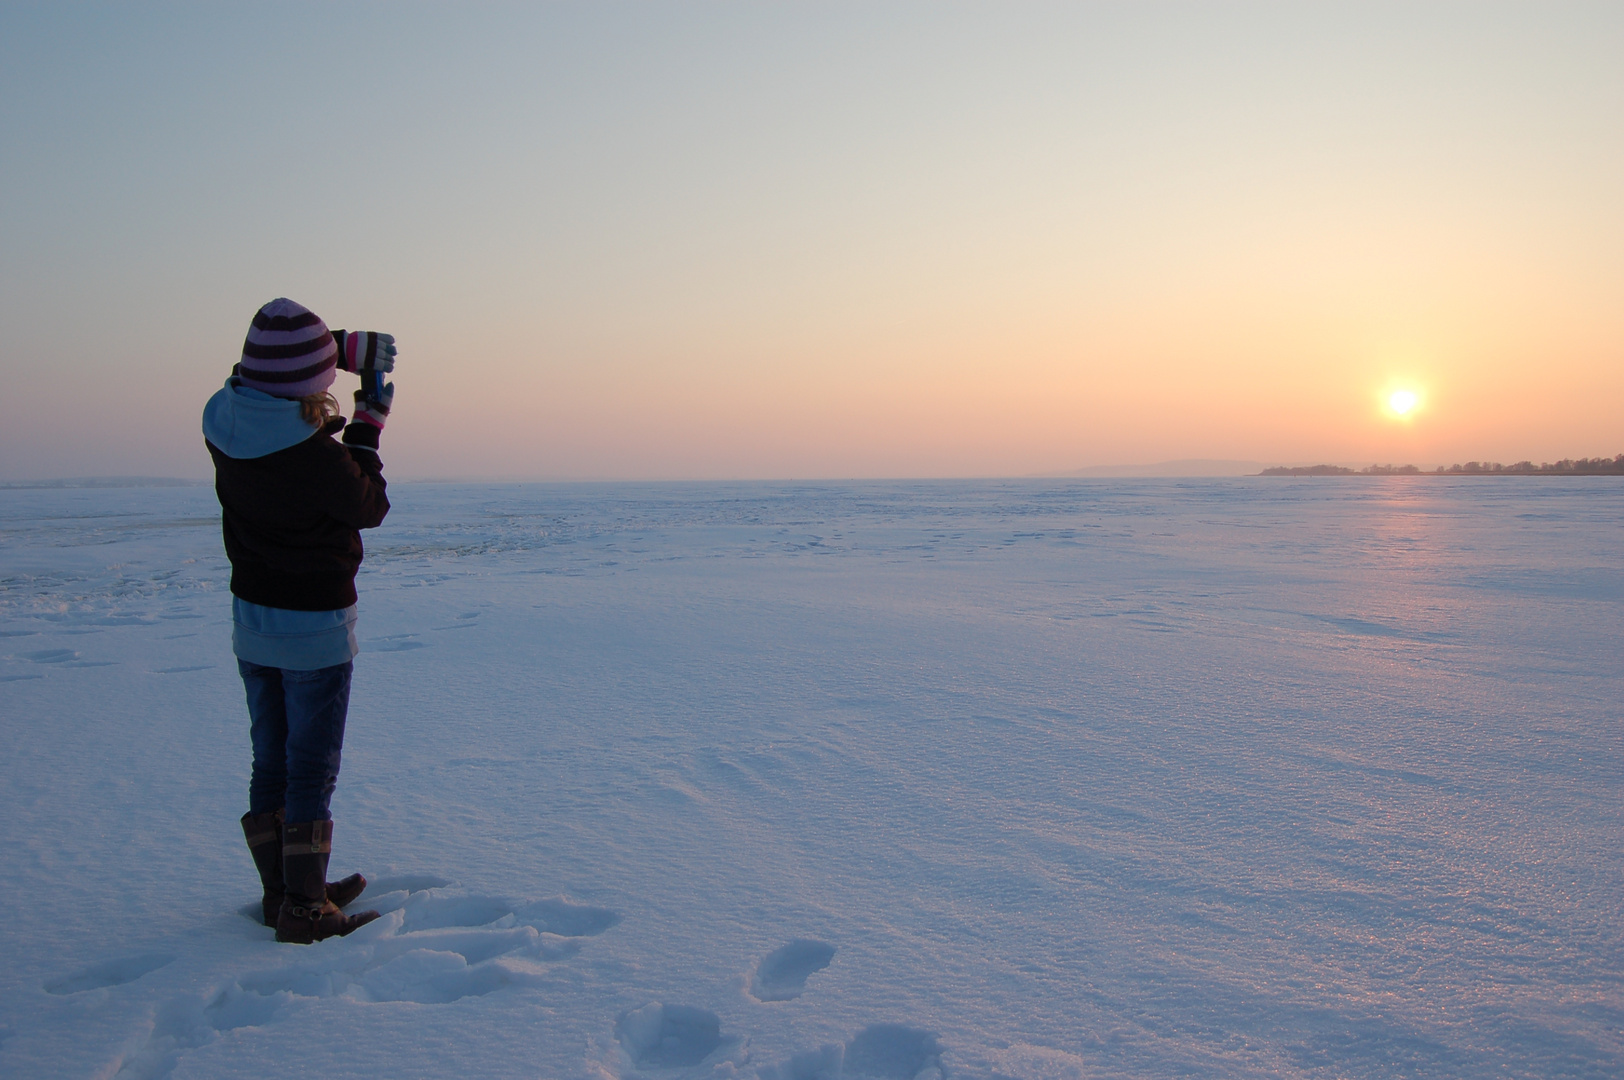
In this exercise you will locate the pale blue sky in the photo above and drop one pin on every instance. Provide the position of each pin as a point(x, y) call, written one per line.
point(649, 240)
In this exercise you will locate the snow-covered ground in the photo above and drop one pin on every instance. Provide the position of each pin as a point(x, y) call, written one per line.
point(1212, 778)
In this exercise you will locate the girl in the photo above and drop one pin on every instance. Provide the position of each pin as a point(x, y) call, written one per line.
point(293, 501)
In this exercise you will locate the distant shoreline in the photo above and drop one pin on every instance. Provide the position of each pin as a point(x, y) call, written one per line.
point(1613, 466)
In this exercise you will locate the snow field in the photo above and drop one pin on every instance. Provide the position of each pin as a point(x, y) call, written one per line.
point(1103, 779)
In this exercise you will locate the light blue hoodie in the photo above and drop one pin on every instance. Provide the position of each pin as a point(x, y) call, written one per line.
point(244, 423)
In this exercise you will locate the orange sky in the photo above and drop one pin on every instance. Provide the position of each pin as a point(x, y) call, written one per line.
point(647, 241)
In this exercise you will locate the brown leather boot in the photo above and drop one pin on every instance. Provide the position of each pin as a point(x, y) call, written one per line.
point(264, 835)
point(307, 915)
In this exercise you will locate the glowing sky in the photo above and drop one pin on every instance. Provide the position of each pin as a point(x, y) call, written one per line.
point(825, 240)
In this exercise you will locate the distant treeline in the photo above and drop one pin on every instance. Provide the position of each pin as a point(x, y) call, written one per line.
point(1613, 466)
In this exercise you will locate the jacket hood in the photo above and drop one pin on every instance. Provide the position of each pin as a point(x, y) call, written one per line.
point(245, 423)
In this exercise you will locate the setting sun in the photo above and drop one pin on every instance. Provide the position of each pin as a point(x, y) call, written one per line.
point(1401, 401)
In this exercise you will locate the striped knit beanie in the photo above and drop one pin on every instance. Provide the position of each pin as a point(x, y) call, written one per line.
point(289, 352)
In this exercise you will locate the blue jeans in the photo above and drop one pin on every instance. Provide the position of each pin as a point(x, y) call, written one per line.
point(298, 733)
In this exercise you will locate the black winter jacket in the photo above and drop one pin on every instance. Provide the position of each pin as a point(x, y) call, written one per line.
point(292, 520)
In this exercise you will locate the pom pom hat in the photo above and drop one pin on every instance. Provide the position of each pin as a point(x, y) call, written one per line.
point(289, 351)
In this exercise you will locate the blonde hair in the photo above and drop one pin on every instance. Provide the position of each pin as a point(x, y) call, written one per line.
point(319, 408)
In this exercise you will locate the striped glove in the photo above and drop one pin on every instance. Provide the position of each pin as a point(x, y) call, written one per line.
point(371, 413)
point(361, 351)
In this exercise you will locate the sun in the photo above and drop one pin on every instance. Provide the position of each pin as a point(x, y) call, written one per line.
point(1401, 401)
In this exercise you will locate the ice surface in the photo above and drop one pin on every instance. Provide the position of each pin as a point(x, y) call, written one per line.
point(1219, 778)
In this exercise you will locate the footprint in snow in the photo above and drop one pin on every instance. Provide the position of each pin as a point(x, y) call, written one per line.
point(436, 946)
point(659, 1036)
point(432, 945)
point(892, 1052)
point(781, 975)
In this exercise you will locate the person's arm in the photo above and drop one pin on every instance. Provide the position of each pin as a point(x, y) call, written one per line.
point(357, 496)
point(371, 413)
point(353, 489)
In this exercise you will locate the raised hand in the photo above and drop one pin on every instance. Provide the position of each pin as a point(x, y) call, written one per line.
point(371, 413)
point(374, 408)
point(361, 351)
